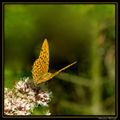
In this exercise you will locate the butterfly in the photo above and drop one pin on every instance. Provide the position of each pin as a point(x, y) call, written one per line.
point(40, 67)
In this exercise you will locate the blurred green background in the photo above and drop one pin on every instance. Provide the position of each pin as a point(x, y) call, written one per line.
point(76, 32)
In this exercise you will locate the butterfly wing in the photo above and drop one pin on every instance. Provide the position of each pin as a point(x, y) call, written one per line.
point(41, 65)
point(54, 74)
point(47, 76)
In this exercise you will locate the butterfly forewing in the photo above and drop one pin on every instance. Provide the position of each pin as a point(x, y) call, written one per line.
point(57, 72)
point(41, 65)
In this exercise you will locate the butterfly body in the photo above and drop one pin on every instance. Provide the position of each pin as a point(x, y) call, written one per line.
point(40, 68)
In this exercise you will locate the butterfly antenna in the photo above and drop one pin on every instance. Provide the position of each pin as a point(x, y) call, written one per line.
point(64, 68)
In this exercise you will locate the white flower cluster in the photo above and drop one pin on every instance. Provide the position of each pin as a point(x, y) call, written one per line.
point(23, 98)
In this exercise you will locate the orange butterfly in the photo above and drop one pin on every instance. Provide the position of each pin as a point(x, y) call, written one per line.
point(40, 67)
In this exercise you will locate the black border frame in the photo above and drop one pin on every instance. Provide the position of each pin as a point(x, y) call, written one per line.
point(116, 64)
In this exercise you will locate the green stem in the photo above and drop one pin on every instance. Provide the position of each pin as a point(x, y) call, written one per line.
point(95, 78)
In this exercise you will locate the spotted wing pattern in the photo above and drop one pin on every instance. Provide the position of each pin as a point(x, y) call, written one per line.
point(49, 75)
point(41, 65)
